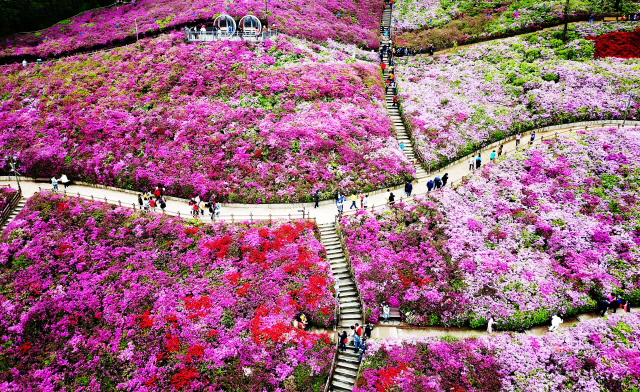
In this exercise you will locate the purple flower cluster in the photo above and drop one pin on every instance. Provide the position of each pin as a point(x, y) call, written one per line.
point(6, 194)
point(348, 22)
point(249, 122)
point(489, 91)
point(99, 297)
point(549, 229)
point(593, 356)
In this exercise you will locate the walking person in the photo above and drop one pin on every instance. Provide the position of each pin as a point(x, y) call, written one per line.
point(518, 137)
point(343, 340)
point(445, 178)
point(429, 185)
point(353, 200)
point(65, 181)
point(316, 199)
point(163, 204)
point(363, 348)
point(392, 199)
point(438, 182)
point(408, 187)
point(492, 156)
point(591, 18)
point(140, 200)
point(195, 208)
point(402, 146)
point(533, 138)
point(145, 204)
point(337, 197)
point(55, 183)
point(478, 161)
point(152, 205)
point(201, 206)
point(603, 306)
point(555, 322)
point(365, 202)
point(218, 207)
point(472, 163)
point(356, 342)
point(616, 303)
point(431, 50)
point(395, 101)
point(367, 331)
point(500, 150)
point(340, 205)
point(490, 325)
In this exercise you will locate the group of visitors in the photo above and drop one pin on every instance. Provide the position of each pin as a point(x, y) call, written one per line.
point(476, 162)
point(359, 339)
point(613, 302)
point(149, 201)
point(63, 179)
point(437, 182)
point(300, 321)
point(341, 199)
point(403, 51)
point(198, 206)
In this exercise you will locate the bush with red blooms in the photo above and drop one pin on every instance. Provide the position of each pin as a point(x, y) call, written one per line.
point(624, 44)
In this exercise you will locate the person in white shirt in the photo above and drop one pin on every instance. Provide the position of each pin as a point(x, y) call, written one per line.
point(385, 312)
point(65, 181)
point(472, 163)
point(555, 323)
point(490, 325)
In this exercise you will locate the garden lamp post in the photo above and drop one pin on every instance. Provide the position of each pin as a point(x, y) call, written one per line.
point(13, 161)
point(266, 14)
point(631, 96)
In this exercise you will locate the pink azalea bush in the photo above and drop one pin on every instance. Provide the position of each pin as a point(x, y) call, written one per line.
point(6, 194)
point(597, 355)
point(348, 22)
point(549, 229)
point(485, 93)
point(98, 297)
point(248, 122)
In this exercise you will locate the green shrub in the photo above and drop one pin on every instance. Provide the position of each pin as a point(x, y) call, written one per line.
point(551, 77)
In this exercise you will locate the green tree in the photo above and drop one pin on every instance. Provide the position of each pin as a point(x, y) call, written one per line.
point(30, 15)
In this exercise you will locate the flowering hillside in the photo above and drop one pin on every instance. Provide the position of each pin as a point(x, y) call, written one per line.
point(247, 122)
point(485, 93)
point(5, 195)
point(598, 355)
point(547, 230)
point(348, 22)
point(101, 297)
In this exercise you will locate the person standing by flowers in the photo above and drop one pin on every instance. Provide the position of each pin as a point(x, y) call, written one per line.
point(490, 325)
point(445, 178)
point(402, 146)
point(365, 202)
point(65, 181)
point(408, 187)
point(472, 163)
point(392, 199)
point(140, 200)
point(555, 322)
point(395, 101)
point(316, 199)
point(500, 150)
point(518, 137)
point(429, 185)
point(492, 156)
point(343, 340)
point(337, 197)
point(385, 312)
point(353, 200)
point(533, 138)
point(478, 161)
point(55, 183)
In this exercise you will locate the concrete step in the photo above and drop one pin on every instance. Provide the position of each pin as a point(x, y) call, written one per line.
point(339, 386)
point(346, 365)
point(345, 378)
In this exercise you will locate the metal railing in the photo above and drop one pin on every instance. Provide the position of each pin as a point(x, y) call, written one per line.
point(333, 366)
point(12, 203)
point(220, 35)
point(233, 218)
point(345, 252)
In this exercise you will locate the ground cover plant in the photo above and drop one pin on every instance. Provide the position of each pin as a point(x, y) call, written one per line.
point(549, 229)
point(618, 44)
point(482, 94)
point(593, 356)
point(99, 297)
point(444, 23)
point(348, 22)
point(247, 122)
point(6, 194)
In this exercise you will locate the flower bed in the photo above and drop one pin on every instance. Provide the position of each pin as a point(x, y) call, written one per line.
point(102, 297)
point(248, 122)
point(464, 100)
point(546, 230)
point(6, 194)
point(349, 22)
point(625, 45)
point(593, 356)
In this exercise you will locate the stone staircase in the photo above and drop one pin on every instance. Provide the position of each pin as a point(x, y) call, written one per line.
point(15, 212)
point(393, 112)
point(347, 364)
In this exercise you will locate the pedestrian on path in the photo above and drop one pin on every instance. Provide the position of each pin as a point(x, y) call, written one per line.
point(429, 185)
point(500, 150)
point(445, 178)
point(603, 306)
point(438, 182)
point(394, 88)
point(591, 19)
point(356, 342)
point(518, 137)
point(65, 181)
point(201, 206)
point(353, 200)
point(337, 197)
point(533, 138)
point(365, 202)
point(340, 204)
point(478, 161)
point(55, 183)
point(195, 209)
point(490, 325)
point(472, 163)
point(367, 331)
point(555, 322)
point(392, 199)
point(146, 204)
point(163, 204)
point(343, 340)
point(361, 201)
point(152, 205)
point(385, 312)
point(408, 187)
point(316, 199)
point(431, 50)
point(492, 156)
point(388, 194)
point(626, 306)
point(383, 66)
point(140, 200)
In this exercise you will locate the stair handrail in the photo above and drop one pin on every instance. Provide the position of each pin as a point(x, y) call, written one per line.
point(345, 252)
point(11, 205)
point(327, 384)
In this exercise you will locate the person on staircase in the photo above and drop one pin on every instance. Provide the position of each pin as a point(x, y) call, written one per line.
point(343, 340)
point(395, 101)
point(363, 348)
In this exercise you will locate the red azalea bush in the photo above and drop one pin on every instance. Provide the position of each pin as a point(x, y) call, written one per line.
point(97, 297)
point(625, 44)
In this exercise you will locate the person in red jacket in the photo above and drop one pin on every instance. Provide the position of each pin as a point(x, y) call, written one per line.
point(395, 100)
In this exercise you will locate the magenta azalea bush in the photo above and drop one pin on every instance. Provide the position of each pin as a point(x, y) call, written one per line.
point(248, 122)
point(98, 297)
point(348, 22)
point(6, 194)
point(598, 355)
point(484, 93)
point(549, 229)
